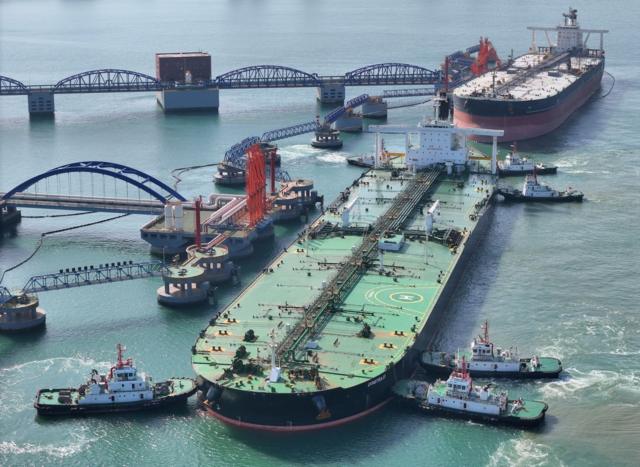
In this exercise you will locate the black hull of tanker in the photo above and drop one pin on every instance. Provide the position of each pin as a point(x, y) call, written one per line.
point(298, 412)
point(91, 409)
point(518, 197)
point(443, 370)
point(507, 420)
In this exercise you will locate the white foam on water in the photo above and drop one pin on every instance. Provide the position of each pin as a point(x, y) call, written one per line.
point(13, 396)
point(11, 447)
point(76, 441)
point(608, 327)
point(333, 158)
point(582, 172)
point(297, 151)
point(573, 382)
point(522, 452)
point(571, 162)
point(624, 352)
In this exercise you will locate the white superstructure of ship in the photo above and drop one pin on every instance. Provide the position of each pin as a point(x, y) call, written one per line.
point(122, 384)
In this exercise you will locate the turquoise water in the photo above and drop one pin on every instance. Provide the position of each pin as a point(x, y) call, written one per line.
point(555, 280)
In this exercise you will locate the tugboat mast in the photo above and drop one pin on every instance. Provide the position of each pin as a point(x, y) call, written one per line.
point(485, 330)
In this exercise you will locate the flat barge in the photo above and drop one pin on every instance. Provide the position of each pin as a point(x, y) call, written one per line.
point(342, 314)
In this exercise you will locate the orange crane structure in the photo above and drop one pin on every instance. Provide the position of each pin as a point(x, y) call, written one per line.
point(487, 58)
point(256, 185)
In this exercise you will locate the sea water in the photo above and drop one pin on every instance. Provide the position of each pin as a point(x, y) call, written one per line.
point(556, 280)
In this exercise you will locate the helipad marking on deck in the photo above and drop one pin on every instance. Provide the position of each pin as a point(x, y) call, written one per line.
point(406, 297)
point(393, 296)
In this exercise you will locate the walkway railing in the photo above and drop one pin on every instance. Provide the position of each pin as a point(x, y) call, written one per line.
point(91, 275)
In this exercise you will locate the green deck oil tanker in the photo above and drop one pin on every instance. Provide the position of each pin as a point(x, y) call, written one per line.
point(321, 336)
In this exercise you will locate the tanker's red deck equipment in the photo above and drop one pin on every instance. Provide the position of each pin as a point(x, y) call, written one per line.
point(256, 185)
point(487, 55)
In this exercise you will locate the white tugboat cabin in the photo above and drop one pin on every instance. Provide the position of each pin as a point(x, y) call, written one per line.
point(514, 164)
point(484, 357)
point(123, 384)
point(531, 188)
point(458, 394)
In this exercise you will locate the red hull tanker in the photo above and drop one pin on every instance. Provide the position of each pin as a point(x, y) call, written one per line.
point(535, 93)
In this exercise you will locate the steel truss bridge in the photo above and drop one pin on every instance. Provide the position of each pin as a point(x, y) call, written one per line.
point(87, 275)
point(98, 194)
point(235, 156)
point(458, 63)
point(258, 76)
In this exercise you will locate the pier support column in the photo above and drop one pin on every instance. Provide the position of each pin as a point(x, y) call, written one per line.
point(9, 216)
point(375, 107)
point(349, 122)
point(331, 94)
point(41, 103)
point(176, 100)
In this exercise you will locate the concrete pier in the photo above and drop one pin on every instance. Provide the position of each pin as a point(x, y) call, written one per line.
point(41, 103)
point(192, 282)
point(331, 94)
point(375, 107)
point(180, 100)
point(349, 122)
point(9, 216)
point(21, 313)
point(184, 285)
point(214, 261)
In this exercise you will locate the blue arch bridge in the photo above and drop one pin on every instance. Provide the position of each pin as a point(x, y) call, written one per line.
point(182, 95)
point(92, 186)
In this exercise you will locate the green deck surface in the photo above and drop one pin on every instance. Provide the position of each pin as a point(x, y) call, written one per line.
point(395, 308)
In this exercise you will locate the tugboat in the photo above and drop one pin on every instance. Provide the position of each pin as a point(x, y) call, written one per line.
point(458, 397)
point(369, 160)
point(534, 191)
point(122, 390)
point(486, 360)
point(513, 164)
point(364, 160)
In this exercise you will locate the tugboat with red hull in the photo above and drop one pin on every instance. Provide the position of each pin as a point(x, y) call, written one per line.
point(535, 93)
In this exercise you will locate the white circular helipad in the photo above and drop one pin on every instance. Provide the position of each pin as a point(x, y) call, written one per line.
point(393, 296)
point(406, 297)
